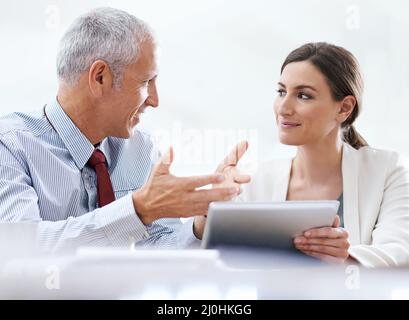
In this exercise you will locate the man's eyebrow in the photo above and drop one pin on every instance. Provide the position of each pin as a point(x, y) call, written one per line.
point(150, 77)
point(144, 78)
point(301, 86)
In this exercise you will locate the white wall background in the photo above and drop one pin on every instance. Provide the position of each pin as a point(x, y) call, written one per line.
point(220, 63)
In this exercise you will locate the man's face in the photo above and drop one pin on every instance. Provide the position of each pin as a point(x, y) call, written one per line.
point(137, 91)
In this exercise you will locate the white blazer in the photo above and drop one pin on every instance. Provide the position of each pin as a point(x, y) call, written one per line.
point(376, 202)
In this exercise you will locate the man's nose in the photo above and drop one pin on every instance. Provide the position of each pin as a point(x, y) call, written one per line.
point(153, 98)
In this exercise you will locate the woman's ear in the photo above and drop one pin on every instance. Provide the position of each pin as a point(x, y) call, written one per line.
point(346, 107)
point(99, 78)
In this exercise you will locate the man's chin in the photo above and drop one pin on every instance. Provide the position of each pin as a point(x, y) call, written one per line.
point(125, 134)
point(130, 132)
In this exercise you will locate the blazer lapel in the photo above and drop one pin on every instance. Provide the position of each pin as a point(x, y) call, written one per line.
point(350, 170)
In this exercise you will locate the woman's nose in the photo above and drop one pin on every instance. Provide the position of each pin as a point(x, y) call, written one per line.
point(285, 106)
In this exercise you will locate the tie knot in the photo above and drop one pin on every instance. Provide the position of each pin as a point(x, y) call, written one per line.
point(97, 157)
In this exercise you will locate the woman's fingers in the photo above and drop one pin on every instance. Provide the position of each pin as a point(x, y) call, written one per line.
point(327, 244)
point(326, 232)
point(326, 250)
point(323, 257)
point(337, 222)
point(338, 243)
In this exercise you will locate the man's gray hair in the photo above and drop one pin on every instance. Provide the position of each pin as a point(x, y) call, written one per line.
point(105, 34)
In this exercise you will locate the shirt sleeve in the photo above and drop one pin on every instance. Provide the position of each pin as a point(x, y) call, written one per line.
point(116, 224)
point(171, 233)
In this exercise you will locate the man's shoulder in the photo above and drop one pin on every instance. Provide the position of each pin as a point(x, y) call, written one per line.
point(11, 123)
point(143, 134)
point(140, 144)
point(141, 138)
point(30, 123)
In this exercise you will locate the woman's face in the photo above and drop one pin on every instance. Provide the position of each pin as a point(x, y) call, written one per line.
point(305, 110)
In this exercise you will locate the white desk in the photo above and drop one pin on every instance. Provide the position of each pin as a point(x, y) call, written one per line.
point(198, 274)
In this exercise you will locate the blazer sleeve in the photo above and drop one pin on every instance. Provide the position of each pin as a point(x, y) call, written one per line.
point(390, 237)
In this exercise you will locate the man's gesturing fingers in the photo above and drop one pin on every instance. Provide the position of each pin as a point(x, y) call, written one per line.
point(191, 183)
point(198, 200)
point(163, 165)
point(234, 156)
point(242, 178)
point(218, 194)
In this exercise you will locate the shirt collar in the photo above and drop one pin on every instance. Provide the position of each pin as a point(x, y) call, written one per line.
point(105, 147)
point(77, 144)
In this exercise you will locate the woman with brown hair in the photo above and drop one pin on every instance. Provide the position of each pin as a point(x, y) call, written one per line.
point(319, 98)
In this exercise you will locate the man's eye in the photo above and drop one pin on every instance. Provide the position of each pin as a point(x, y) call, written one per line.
point(281, 92)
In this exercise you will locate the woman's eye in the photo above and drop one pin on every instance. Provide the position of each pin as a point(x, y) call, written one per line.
point(281, 92)
point(304, 96)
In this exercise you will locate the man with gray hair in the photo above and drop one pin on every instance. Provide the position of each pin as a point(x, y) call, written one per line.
point(80, 168)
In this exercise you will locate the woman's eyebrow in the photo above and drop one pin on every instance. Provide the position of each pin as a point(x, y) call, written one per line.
point(304, 86)
point(301, 86)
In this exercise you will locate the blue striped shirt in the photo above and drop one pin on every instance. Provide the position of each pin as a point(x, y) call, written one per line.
point(44, 177)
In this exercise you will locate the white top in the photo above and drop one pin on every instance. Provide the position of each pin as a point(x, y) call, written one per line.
point(376, 202)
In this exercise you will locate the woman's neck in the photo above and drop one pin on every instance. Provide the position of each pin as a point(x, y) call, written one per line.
point(317, 163)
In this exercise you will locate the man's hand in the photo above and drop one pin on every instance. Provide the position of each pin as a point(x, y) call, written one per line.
point(232, 179)
point(165, 195)
point(329, 244)
point(229, 168)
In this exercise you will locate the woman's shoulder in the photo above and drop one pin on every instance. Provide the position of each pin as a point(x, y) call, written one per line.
point(376, 153)
point(380, 157)
point(382, 163)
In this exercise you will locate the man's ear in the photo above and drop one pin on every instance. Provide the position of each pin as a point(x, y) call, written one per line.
point(99, 78)
point(346, 107)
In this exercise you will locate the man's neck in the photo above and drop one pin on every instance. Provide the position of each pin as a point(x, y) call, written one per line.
point(82, 113)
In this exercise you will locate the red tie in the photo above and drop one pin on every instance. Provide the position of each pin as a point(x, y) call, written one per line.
point(104, 186)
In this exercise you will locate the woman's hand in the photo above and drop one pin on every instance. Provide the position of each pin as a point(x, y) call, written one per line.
point(329, 244)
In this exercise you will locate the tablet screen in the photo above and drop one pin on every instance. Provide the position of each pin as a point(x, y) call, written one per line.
point(265, 224)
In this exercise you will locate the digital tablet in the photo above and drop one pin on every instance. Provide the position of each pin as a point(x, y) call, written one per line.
point(266, 224)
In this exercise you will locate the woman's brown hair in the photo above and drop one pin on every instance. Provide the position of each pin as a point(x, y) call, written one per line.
point(343, 76)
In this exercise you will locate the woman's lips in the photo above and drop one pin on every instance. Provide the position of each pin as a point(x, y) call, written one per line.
point(289, 125)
